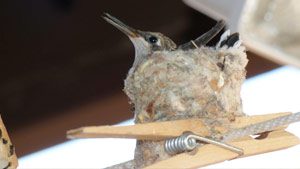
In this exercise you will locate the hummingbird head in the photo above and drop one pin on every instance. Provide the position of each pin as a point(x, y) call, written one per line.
point(145, 43)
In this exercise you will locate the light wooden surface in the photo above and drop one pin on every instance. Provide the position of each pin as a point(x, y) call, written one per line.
point(161, 130)
point(150, 131)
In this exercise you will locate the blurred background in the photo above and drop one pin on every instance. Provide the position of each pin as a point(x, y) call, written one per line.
point(62, 66)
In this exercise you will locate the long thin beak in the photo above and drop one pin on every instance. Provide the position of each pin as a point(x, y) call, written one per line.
point(121, 26)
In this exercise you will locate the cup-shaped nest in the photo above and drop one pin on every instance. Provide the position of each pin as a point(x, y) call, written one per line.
point(199, 83)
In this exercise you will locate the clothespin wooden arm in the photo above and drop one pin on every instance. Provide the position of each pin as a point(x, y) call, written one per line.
point(149, 131)
point(162, 130)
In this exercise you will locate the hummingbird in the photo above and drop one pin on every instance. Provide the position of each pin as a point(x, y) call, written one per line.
point(151, 98)
point(145, 42)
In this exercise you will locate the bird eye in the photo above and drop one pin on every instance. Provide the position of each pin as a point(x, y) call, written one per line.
point(153, 39)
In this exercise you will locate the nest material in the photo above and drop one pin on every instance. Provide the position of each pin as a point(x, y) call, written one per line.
point(8, 158)
point(201, 83)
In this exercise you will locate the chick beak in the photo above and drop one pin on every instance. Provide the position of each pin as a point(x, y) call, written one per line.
point(142, 47)
point(130, 32)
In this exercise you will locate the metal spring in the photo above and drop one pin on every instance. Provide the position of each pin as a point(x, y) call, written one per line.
point(188, 142)
point(180, 144)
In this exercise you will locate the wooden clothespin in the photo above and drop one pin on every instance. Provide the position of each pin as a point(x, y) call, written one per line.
point(276, 139)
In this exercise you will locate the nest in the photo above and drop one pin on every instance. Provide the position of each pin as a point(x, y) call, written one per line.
point(201, 83)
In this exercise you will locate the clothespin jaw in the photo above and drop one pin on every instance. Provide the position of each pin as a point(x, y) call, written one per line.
point(276, 139)
point(211, 154)
point(162, 130)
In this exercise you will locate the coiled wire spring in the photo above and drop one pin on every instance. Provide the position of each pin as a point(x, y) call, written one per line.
point(189, 141)
point(179, 144)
